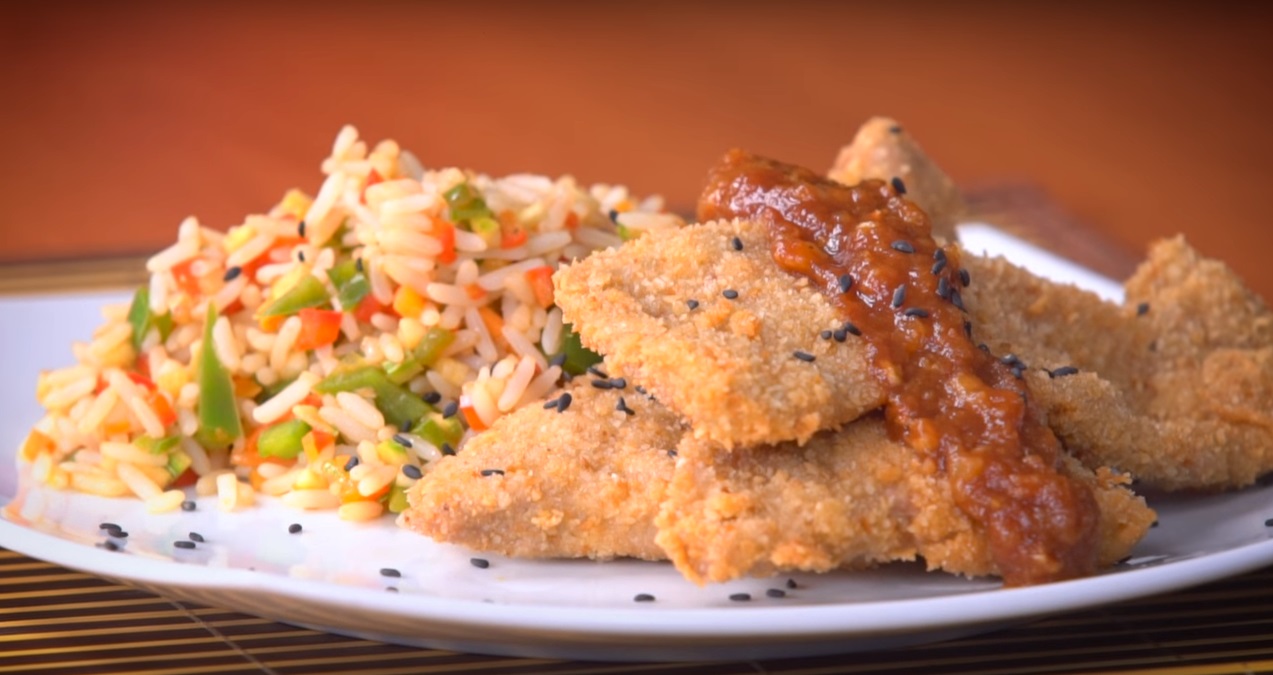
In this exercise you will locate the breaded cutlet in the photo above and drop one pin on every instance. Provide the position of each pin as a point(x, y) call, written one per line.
point(846, 499)
point(1175, 386)
point(583, 480)
point(705, 319)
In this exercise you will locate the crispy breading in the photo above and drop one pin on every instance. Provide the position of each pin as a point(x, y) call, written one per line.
point(883, 149)
point(851, 498)
point(583, 483)
point(1180, 396)
point(727, 366)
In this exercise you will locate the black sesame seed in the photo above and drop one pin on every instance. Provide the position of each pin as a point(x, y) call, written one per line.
point(903, 246)
point(196, 537)
point(840, 335)
point(791, 584)
point(450, 409)
point(1009, 359)
point(643, 597)
point(1017, 370)
point(898, 185)
point(402, 440)
point(846, 282)
point(1154, 524)
point(622, 406)
point(968, 328)
point(300, 255)
point(1062, 372)
point(899, 296)
point(300, 229)
point(939, 265)
point(480, 563)
point(917, 312)
point(984, 347)
point(391, 589)
point(108, 526)
point(598, 372)
point(730, 294)
point(614, 216)
point(492, 472)
point(232, 273)
point(412, 471)
point(294, 528)
point(390, 572)
point(692, 304)
point(964, 277)
point(434, 398)
point(895, 129)
point(736, 243)
point(826, 334)
point(619, 383)
point(1268, 523)
point(740, 597)
point(109, 545)
point(939, 253)
point(358, 265)
point(549, 405)
point(117, 534)
point(957, 300)
point(672, 453)
point(183, 544)
point(776, 593)
point(641, 390)
point(353, 461)
point(188, 505)
point(447, 449)
point(804, 356)
point(851, 329)
point(943, 288)
point(1142, 309)
point(405, 426)
point(558, 360)
point(564, 402)
point(602, 384)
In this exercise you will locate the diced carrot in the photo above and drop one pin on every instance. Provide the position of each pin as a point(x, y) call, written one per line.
point(372, 178)
point(353, 495)
point(444, 232)
point(144, 381)
point(407, 302)
point(470, 414)
point(116, 427)
point(185, 278)
point(271, 324)
point(572, 220)
point(494, 325)
point(476, 292)
point(163, 409)
point(541, 282)
point(368, 306)
point(318, 327)
point(36, 443)
point(246, 387)
point(512, 232)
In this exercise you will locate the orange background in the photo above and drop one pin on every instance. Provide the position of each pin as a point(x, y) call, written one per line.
point(1140, 120)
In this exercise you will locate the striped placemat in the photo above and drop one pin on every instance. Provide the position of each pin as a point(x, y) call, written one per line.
point(54, 620)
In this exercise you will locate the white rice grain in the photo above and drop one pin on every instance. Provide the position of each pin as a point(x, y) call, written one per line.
point(361, 409)
point(282, 347)
point(129, 453)
point(139, 483)
point(283, 402)
point(485, 343)
point(199, 461)
point(550, 338)
point(516, 385)
point(102, 405)
point(346, 424)
point(493, 281)
point(225, 344)
point(181, 251)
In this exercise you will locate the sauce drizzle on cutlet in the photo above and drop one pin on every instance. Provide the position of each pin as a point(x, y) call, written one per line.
point(963, 411)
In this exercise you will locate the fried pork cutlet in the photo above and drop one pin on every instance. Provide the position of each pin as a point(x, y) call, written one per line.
point(849, 498)
point(883, 150)
point(577, 480)
point(1175, 386)
point(703, 318)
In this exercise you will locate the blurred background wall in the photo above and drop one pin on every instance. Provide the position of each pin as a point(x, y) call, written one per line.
point(1141, 120)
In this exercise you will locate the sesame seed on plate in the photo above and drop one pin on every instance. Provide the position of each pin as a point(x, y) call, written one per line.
point(740, 597)
point(181, 543)
point(412, 471)
point(294, 528)
point(480, 563)
point(196, 537)
point(390, 572)
point(643, 597)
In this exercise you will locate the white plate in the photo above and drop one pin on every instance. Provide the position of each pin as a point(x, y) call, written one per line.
point(329, 577)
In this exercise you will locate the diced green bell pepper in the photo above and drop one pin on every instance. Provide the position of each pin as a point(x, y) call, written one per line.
point(157, 446)
point(308, 292)
point(578, 357)
point(439, 430)
point(142, 319)
point(397, 502)
point(465, 203)
point(399, 406)
point(282, 440)
point(219, 424)
point(425, 354)
point(178, 462)
point(351, 284)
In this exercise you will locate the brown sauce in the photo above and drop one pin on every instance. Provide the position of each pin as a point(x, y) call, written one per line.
point(966, 413)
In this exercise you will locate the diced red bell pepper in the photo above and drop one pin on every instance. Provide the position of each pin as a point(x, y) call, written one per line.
point(318, 327)
point(541, 282)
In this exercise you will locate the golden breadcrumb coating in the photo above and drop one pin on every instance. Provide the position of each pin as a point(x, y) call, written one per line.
point(848, 498)
point(726, 365)
point(1175, 386)
point(585, 482)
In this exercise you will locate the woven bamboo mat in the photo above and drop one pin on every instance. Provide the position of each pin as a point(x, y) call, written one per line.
point(54, 620)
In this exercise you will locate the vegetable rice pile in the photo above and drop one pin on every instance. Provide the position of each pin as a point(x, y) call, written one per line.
point(329, 351)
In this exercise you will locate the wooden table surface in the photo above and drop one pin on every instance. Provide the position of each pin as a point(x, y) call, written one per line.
point(1143, 120)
